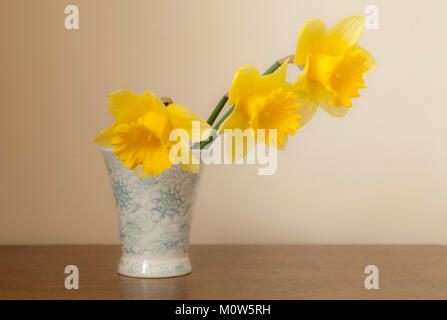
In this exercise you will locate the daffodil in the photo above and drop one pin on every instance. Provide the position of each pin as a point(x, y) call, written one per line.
point(140, 135)
point(333, 66)
point(260, 102)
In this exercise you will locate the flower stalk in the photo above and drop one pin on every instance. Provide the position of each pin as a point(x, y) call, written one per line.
point(217, 109)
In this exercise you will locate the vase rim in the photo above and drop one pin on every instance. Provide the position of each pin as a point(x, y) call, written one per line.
point(110, 150)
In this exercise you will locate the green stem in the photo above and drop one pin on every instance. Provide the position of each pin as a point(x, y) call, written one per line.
point(204, 143)
point(272, 68)
point(217, 110)
point(222, 103)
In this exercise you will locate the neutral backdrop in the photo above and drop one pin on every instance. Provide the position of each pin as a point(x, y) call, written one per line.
point(378, 175)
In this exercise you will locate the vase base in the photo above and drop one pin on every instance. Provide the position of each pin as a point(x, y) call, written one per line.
point(146, 268)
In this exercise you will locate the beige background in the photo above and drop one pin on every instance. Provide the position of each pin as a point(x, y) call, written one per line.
point(377, 176)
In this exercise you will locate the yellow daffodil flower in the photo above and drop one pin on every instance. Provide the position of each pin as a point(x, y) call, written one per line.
point(261, 102)
point(140, 135)
point(333, 66)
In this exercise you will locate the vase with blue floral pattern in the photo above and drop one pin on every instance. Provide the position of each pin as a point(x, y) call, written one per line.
point(154, 219)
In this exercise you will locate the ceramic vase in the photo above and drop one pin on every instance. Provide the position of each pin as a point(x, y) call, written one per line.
point(154, 219)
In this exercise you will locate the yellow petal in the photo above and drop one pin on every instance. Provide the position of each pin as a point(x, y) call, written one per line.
point(282, 146)
point(247, 82)
point(310, 93)
point(370, 62)
point(139, 172)
point(236, 120)
point(242, 79)
point(105, 138)
point(307, 111)
point(157, 161)
point(127, 106)
point(188, 161)
point(334, 111)
point(309, 40)
point(349, 30)
point(182, 118)
point(158, 124)
point(239, 144)
point(194, 168)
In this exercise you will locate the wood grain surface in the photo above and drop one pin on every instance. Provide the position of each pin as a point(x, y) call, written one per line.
point(231, 272)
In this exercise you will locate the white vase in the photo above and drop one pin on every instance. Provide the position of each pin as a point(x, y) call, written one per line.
point(154, 219)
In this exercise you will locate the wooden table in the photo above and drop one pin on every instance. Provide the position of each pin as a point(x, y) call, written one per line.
point(231, 272)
